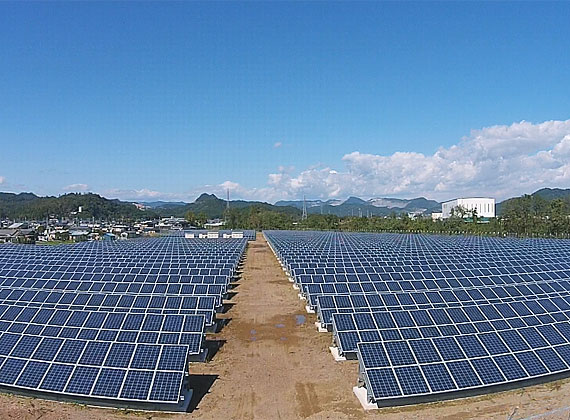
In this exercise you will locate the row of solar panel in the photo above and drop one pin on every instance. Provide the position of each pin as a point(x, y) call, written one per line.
point(42, 288)
point(151, 251)
point(164, 279)
point(150, 247)
point(94, 353)
point(209, 314)
point(92, 381)
point(530, 273)
point(135, 301)
point(309, 257)
point(104, 320)
point(435, 295)
point(123, 287)
point(101, 326)
point(330, 304)
point(397, 369)
point(322, 266)
point(107, 273)
point(351, 328)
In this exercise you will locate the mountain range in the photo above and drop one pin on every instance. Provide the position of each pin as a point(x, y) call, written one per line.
point(31, 206)
point(354, 206)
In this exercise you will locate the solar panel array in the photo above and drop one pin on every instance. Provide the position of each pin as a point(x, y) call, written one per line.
point(428, 316)
point(111, 323)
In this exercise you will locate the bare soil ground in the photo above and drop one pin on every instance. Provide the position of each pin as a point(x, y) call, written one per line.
point(273, 364)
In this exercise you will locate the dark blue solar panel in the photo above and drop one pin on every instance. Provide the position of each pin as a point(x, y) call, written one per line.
point(425, 351)
point(145, 357)
point(532, 337)
point(47, 349)
point(32, 374)
point(487, 370)
point(56, 377)
point(166, 386)
point(26, 346)
point(411, 380)
point(383, 383)
point(10, 370)
point(471, 346)
point(137, 385)
point(438, 377)
point(510, 367)
point(373, 355)
point(514, 340)
point(463, 374)
point(95, 353)
point(70, 351)
point(551, 360)
point(348, 340)
point(7, 343)
point(120, 355)
point(399, 353)
point(173, 358)
point(531, 363)
point(493, 343)
point(82, 380)
point(109, 383)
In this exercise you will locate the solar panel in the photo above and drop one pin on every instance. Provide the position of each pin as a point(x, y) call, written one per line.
point(111, 323)
point(428, 314)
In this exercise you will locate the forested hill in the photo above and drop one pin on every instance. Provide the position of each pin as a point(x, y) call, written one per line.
point(30, 206)
point(212, 207)
point(536, 202)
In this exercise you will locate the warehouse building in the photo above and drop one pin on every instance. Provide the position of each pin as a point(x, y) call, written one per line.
point(485, 207)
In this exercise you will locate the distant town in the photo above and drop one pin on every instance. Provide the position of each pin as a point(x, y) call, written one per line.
point(89, 217)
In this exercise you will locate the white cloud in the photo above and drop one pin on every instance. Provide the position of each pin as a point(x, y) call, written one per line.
point(499, 161)
point(278, 145)
point(76, 188)
point(143, 194)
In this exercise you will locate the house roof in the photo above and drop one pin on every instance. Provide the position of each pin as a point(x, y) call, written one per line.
point(8, 233)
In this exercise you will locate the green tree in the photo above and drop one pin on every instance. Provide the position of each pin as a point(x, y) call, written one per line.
point(190, 217)
point(201, 219)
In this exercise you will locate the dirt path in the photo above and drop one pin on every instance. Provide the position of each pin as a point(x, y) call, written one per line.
point(274, 365)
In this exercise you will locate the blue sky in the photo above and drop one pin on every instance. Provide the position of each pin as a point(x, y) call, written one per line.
point(279, 100)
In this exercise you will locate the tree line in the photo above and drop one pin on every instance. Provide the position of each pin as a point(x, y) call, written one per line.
point(523, 216)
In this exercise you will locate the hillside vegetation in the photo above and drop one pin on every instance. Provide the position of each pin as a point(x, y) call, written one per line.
point(30, 206)
point(543, 213)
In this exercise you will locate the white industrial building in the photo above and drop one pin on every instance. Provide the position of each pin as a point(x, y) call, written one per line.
point(485, 207)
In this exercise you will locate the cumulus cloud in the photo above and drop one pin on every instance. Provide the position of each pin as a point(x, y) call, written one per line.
point(499, 161)
point(278, 145)
point(76, 188)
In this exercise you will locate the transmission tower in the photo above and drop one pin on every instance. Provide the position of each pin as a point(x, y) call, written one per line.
point(304, 216)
